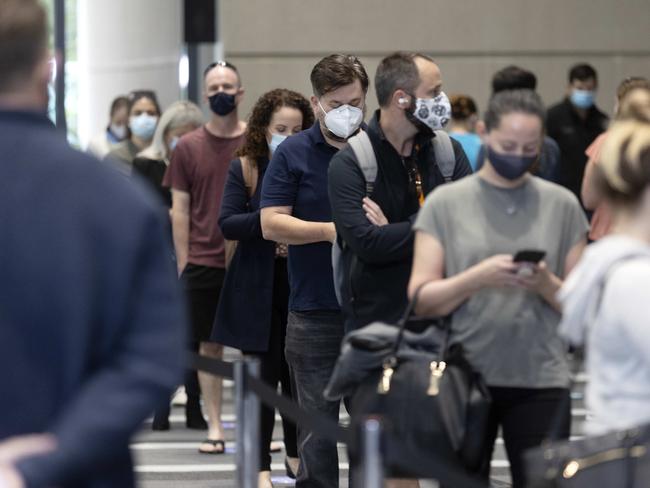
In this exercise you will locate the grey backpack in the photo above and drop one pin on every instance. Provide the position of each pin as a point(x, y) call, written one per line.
point(367, 161)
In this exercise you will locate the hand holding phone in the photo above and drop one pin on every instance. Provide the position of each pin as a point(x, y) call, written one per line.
point(533, 256)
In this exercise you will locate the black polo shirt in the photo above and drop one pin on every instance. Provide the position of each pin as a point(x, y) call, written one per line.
point(297, 178)
point(574, 135)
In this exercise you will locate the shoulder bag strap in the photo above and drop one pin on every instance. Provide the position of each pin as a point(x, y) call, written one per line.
point(444, 152)
point(366, 159)
point(407, 315)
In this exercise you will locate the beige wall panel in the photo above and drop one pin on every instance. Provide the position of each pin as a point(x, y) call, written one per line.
point(476, 26)
point(276, 43)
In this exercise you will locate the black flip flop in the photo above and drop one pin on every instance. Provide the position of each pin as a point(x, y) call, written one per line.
point(219, 446)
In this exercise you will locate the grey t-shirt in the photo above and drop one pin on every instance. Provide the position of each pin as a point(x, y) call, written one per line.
point(509, 334)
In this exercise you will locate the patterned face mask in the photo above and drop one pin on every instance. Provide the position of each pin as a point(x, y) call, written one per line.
point(434, 113)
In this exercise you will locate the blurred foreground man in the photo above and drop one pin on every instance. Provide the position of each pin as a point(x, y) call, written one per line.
point(91, 322)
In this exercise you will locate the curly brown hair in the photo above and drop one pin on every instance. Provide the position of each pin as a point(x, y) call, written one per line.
point(256, 146)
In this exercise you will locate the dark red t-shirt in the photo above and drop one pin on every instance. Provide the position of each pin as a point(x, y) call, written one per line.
point(199, 166)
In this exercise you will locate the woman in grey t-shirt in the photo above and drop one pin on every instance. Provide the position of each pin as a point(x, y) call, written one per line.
point(504, 313)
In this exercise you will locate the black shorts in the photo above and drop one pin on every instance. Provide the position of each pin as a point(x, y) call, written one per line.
point(203, 287)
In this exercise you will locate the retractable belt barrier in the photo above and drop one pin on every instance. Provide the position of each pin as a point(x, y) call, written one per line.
point(409, 460)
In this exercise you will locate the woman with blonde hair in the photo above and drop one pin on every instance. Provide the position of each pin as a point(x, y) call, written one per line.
point(179, 119)
point(605, 299)
point(151, 164)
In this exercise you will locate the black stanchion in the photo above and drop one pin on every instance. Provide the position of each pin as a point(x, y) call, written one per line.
point(247, 406)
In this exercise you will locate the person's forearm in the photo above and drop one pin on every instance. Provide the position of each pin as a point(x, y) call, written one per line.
point(589, 193)
point(291, 230)
point(181, 232)
point(441, 297)
point(549, 291)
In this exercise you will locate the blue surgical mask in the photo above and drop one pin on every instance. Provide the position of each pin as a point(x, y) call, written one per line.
point(276, 140)
point(583, 98)
point(509, 166)
point(143, 125)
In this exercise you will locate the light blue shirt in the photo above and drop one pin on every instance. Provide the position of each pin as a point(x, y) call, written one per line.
point(471, 145)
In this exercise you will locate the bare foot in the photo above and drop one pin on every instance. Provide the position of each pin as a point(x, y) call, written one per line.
point(264, 480)
point(402, 483)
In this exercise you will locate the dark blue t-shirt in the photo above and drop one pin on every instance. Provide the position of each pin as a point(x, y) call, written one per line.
point(297, 177)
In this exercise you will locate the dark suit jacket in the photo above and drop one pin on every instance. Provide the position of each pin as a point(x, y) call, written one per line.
point(243, 318)
point(91, 320)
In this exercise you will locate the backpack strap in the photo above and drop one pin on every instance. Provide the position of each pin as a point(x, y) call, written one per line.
point(366, 159)
point(250, 172)
point(444, 153)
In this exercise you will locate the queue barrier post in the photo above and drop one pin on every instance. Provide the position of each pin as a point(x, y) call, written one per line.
point(370, 471)
point(247, 406)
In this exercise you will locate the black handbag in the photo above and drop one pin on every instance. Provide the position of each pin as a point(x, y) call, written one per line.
point(430, 398)
point(620, 459)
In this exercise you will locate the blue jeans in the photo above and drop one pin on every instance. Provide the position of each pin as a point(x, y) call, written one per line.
point(312, 346)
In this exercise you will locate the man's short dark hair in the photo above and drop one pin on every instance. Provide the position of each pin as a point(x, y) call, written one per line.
point(513, 78)
point(337, 70)
point(582, 72)
point(223, 64)
point(23, 40)
point(397, 72)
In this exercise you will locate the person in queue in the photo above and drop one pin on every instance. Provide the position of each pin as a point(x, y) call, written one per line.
point(605, 299)
point(516, 78)
point(574, 123)
point(152, 163)
point(504, 312)
point(197, 175)
point(144, 112)
point(259, 267)
point(116, 131)
point(601, 219)
point(296, 210)
point(462, 128)
point(376, 229)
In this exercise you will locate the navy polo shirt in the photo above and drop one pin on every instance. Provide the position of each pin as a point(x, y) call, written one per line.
point(297, 177)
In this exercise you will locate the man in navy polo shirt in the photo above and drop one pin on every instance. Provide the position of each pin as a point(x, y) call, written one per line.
point(296, 210)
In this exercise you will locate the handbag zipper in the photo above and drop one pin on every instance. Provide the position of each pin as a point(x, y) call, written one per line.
point(384, 382)
point(575, 465)
point(437, 370)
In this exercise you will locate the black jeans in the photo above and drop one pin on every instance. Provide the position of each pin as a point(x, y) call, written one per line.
point(274, 368)
point(312, 348)
point(526, 417)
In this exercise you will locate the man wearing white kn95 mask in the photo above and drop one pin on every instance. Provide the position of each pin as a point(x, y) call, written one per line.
point(296, 210)
point(378, 183)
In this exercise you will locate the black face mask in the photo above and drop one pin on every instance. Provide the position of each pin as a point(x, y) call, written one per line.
point(509, 166)
point(222, 103)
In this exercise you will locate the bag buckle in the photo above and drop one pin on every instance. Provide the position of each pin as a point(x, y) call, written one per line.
point(437, 370)
point(384, 383)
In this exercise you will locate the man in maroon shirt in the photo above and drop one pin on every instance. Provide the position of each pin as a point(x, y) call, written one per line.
point(196, 175)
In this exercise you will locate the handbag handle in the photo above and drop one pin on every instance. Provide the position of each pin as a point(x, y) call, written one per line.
point(408, 313)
